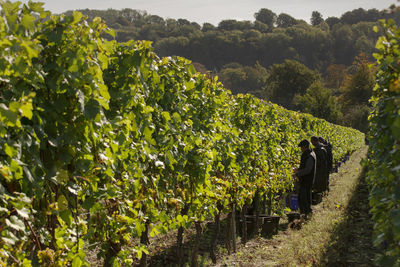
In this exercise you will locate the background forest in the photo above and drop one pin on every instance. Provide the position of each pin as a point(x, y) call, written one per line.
point(322, 67)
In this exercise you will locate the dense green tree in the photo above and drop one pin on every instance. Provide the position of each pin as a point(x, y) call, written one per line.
point(232, 24)
point(243, 79)
point(208, 27)
point(343, 43)
point(357, 90)
point(182, 22)
point(173, 45)
point(360, 14)
point(266, 16)
point(284, 20)
point(233, 78)
point(335, 75)
point(356, 117)
point(332, 21)
point(316, 18)
point(269, 44)
point(312, 44)
point(256, 76)
point(319, 102)
point(261, 27)
point(288, 79)
point(358, 86)
point(154, 19)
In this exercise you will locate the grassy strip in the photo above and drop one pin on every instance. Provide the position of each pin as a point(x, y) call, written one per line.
point(314, 244)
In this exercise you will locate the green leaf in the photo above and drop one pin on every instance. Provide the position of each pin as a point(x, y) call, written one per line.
point(9, 115)
point(28, 21)
point(77, 17)
point(396, 128)
point(147, 132)
point(88, 203)
point(191, 70)
point(104, 91)
point(36, 6)
point(166, 115)
point(148, 109)
point(62, 176)
point(396, 218)
point(77, 262)
point(177, 117)
point(28, 174)
point(92, 108)
point(139, 254)
point(26, 111)
point(10, 151)
point(66, 216)
point(62, 203)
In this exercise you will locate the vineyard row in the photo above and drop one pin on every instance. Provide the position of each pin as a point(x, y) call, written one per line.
point(104, 142)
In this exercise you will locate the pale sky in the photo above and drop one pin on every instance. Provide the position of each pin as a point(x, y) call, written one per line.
point(213, 11)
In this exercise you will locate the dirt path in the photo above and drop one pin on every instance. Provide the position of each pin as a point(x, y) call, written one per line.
point(339, 234)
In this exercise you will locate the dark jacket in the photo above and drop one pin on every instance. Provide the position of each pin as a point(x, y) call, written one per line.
point(306, 172)
point(321, 177)
point(329, 156)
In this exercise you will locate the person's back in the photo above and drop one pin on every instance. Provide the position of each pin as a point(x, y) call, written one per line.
point(305, 174)
point(329, 155)
point(320, 181)
point(329, 159)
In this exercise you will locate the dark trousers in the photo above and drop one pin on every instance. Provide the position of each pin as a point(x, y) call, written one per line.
point(305, 198)
point(327, 182)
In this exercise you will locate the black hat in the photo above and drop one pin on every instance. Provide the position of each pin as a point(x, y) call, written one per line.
point(304, 143)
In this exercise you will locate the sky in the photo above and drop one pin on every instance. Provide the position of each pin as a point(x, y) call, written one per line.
point(213, 11)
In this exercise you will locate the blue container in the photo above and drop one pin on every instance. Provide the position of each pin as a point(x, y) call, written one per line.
point(292, 201)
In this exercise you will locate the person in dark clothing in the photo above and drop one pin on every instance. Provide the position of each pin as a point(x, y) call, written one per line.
point(329, 158)
point(320, 181)
point(305, 174)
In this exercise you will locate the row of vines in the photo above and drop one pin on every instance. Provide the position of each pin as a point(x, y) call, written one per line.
point(384, 154)
point(104, 144)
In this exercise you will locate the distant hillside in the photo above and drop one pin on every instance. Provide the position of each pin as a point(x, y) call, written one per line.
point(269, 39)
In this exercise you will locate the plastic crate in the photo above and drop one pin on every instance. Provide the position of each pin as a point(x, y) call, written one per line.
point(292, 201)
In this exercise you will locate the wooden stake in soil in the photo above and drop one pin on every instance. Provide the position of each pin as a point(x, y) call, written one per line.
point(244, 224)
point(256, 204)
point(195, 251)
point(215, 236)
point(228, 233)
point(144, 240)
point(264, 203)
point(179, 247)
point(233, 224)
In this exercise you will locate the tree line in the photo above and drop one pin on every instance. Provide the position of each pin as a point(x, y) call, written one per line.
point(275, 57)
